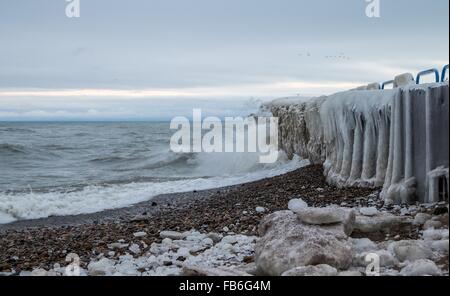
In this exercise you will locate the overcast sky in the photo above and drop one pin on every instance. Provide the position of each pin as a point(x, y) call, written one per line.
point(154, 59)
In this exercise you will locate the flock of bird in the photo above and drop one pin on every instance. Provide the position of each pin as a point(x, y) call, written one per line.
point(340, 56)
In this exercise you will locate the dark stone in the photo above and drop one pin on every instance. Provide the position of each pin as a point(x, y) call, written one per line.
point(167, 263)
point(249, 259)
point(441, 210)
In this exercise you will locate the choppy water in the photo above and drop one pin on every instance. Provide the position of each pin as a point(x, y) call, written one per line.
point(72, 168)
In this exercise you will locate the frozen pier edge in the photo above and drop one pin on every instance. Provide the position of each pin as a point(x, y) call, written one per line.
point(396, 139)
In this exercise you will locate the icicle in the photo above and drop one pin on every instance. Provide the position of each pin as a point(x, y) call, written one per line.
point(369, 165)
point(358, 150)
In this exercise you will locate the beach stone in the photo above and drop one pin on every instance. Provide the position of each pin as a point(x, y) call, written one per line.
point(140, 234)
point(135, 249)
point(183, 252)
point(370, 212)
point(440, 210)
point(174, 235)
point(216, 237)
point(440, 246)
point(297, 204)
point(405, 211)
point(207, 242)
point(103, 267)
point(167, 241)
point(444, 219)
point(195, 237)
point(140, 218)
point(435, 234)
point(421, 267)
point(410, 250)
point(260, 209)
point(230, 239)
point(312, 270)
point(286, 244)
point(432, 224)
point(115, 246)
point(324, 216)
point(361, 245)
point(421, 218)
point(381, 222)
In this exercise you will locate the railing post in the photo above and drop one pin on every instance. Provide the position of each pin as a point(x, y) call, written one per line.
point(387, 83)
point(444, 70)
point(426, 72)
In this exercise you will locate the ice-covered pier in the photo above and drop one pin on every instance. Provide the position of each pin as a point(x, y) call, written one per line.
point(396, 138)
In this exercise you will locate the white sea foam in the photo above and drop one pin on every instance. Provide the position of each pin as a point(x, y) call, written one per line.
point(233, 169)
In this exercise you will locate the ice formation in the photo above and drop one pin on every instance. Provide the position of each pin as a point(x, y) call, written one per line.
point(396, 139)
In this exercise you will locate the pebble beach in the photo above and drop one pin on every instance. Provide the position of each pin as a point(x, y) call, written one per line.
point(180, 232)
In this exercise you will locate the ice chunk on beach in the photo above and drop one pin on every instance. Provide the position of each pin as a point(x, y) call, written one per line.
point(139, 234)
point(361, 245)
point(260, 209)
point(372, 211)
point(101, 268)
point(435, 234)
point(421, 267)
point(296, 205)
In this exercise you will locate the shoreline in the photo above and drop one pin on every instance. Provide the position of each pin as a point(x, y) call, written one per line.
point(41, 243)
point(165, 199)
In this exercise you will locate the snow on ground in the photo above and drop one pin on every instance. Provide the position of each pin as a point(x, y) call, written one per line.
point(168, 258)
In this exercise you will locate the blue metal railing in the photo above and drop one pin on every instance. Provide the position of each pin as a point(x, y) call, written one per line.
point(427, 72)
point(383, 85)
point(444, 70)
point(439, 77)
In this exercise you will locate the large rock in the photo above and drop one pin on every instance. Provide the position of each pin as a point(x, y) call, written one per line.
point(286, 243)
point(410, 250)
point(318, 270)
